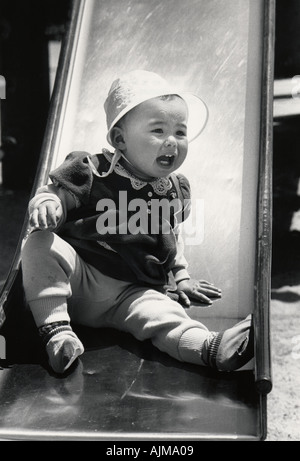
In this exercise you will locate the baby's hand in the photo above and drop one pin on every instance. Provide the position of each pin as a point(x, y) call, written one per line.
point(199, 290)
point(46, 215)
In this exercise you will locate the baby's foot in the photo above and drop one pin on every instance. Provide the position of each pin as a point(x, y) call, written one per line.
point(63, 349)
point(62, 345)
point(230, 349)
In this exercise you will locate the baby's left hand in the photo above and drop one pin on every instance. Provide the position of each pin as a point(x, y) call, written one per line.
point(199, 290)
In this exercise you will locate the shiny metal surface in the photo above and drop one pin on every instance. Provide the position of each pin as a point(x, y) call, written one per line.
point(122, 389)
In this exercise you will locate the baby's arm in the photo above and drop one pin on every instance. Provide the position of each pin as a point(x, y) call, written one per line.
point(187, 288)
point(180, 266)
point(48, 208)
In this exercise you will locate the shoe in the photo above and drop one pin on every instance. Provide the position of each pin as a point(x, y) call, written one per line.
point(63, 349)
point(231, 349)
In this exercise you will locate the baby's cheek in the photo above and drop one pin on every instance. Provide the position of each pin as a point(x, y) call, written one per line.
point(182, 155)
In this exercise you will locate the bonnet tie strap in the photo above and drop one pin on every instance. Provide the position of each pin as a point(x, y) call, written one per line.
point(116, 157)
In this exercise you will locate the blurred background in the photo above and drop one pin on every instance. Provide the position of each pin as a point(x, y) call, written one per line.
point(30, 36)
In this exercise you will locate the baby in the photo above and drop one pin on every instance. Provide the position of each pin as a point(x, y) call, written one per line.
point(102, 254)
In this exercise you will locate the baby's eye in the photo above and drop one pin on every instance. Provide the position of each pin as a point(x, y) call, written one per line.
point(157, 130)
point(181, 133)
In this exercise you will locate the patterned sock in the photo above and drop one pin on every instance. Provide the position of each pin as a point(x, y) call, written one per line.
point(46, 332)
point(231, 349)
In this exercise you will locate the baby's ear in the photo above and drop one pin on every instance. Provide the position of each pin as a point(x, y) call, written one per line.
point(117, 138)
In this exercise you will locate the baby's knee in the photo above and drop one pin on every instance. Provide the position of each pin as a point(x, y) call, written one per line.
point(37, 241)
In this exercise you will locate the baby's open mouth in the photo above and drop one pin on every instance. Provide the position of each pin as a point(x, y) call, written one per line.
point(166, 160)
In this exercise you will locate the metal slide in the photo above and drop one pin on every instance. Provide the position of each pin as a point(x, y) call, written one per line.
point(123, 389)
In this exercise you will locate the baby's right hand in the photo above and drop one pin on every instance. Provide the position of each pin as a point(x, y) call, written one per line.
point(46, 215)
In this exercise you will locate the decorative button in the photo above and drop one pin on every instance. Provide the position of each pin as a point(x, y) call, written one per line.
point(149, 203)
point(150, 194)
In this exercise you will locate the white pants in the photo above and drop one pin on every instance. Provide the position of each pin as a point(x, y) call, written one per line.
point(59, 285)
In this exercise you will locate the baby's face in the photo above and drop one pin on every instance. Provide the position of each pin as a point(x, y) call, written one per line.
point(155, 137)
